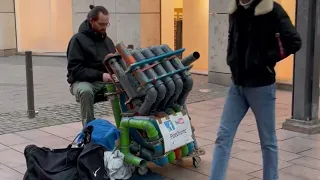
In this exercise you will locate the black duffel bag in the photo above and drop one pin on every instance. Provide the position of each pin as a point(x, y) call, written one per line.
point(81, 163)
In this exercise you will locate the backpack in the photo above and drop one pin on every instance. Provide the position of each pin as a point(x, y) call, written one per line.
point(81, 163)
point(104, 134)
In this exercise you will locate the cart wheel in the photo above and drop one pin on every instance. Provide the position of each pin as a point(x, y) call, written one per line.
point(142, 170)
point(196, 161)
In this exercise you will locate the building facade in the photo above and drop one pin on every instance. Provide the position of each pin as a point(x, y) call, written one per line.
point(45, 26)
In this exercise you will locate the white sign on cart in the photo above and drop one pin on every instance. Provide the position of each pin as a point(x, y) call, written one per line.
point(176, 131)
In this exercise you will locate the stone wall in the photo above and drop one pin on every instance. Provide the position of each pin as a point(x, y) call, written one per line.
point(135, 22)
point(7, 29)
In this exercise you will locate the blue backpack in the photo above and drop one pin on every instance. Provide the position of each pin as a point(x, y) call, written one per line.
point(103, 133)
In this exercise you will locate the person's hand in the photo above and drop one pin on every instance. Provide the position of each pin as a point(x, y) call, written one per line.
point(106, 77)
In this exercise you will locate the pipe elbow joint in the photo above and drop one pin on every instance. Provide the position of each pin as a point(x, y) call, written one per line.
point(150, 129)
point(188, 83)
point(152, 95)
point(162, 91)
point(171, 88)
point(179, 83)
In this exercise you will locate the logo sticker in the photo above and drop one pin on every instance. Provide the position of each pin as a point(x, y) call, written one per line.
point(169, 125)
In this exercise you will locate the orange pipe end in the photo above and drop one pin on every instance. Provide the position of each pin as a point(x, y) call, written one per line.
point(125, 54)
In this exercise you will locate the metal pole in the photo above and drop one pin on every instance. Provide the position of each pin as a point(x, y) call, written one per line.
point(303, 61)
point(305, 99)
point(30, 92)
point(316, 64)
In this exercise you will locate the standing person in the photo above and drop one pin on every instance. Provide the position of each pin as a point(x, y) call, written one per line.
point(86, 51)
point(260, 35)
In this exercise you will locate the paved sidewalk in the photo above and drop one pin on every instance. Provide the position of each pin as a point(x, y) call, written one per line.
point(299, 153)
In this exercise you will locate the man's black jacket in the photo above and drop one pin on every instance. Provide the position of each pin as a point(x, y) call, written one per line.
point(253, 48)
point(85, 53)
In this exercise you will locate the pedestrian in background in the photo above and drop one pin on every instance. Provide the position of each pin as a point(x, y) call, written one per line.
point(260, 35)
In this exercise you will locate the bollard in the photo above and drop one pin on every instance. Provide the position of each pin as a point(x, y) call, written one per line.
point(30, 92)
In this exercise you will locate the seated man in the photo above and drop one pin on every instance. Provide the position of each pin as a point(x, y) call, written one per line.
point(86, 52)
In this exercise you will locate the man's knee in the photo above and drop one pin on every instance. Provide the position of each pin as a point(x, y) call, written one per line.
point(84, 90)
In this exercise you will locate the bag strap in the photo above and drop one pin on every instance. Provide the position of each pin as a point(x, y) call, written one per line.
point(87, 132)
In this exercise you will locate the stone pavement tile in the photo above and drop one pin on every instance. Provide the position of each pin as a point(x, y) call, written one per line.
point(61, 131)
point(307, 162)
point(3, 147)
point(256, 158)
point(31, 134)
point(313, 137)
point(21, 147)
point(248, 137)
point(7, 173)
point(243, 166)
point(249, 120)
point(241, 146)
point(210, 114)
point(13, 139)
point(297, 144)
point(21, 169)
point(297, 172)
point(203, 142)
point(282, 176)
point(196, 118)
point(211, 136)
point(75, 125)
point(300, 172)
point(232, 173)
point(246, 128)
point(284, 155)
point(313, 153)
point(176, 172)
point(283, 134)
point(52, 141)
point(209, 153)
point(199, 125)
point(12, 158)
point(213, 127)
point(200, 106)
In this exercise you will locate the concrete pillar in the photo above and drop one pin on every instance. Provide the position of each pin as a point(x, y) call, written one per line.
point(219, 72)
point(135, 22)
point(305, 102)
point(7, 29)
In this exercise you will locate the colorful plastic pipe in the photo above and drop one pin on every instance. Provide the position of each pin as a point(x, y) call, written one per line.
point(123, 79)
point(125, 125)
point(115, 104)
point(171, 87)
point(189, 59)
point(176, 77)
point(151, 92)
point(188, 81)
point(151, 74)
point(125, 54)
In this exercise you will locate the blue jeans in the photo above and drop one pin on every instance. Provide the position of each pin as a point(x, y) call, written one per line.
point(261, 100)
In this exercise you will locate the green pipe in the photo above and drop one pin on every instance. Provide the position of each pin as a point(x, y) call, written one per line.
point(142, 124)
point(127, 123)
point(115, 104)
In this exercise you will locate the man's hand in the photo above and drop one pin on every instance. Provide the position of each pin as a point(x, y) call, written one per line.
point(106, 77)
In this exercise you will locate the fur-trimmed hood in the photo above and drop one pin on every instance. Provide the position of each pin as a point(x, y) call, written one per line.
point(264, 7)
